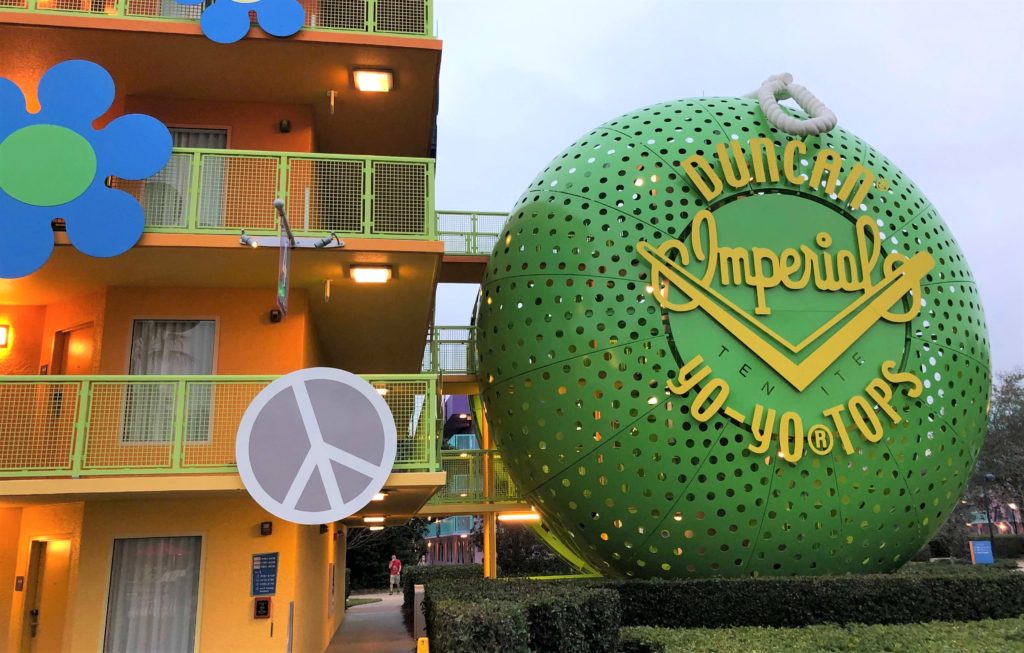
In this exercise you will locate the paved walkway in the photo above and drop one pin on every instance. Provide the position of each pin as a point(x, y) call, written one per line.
point(374, 628)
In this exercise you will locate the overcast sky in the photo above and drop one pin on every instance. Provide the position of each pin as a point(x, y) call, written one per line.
point(935, 86)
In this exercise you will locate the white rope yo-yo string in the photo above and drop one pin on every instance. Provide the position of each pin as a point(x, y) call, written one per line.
point(781, 87)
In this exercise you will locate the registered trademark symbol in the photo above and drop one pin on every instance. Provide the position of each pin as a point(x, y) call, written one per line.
point(819, 439)
point(882, 184)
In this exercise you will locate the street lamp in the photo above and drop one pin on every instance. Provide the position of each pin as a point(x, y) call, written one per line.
point(988, 513)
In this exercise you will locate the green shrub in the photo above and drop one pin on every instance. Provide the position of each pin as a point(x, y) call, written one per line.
point(561, 617)
point(875, 599)
point(420, 574)
point(480, 626)
point(989, 636)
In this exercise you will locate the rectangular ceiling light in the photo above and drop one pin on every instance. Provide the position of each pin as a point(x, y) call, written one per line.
point(370, 274)
point(373, 520)
point(373, 81)
point(5, 335)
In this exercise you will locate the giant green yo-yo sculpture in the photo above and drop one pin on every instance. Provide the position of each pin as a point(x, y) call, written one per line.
point(711, 346)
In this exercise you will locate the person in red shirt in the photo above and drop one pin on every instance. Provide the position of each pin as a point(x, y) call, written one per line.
point(395, 567)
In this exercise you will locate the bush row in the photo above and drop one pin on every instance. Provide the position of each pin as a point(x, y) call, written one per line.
point(422, 574)
point(802, 601)
point(519, 615)
point(988, 635)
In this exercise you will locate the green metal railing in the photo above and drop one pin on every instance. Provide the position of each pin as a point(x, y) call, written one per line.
point(394, 17)
point(470, 233)
point(224, 191)
point(116, 425)
point(451, 350)
point(475, 476)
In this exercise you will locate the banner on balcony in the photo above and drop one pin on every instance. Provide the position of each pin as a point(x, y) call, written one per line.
point(54, 166)
point(316, 445)
point(722, 337)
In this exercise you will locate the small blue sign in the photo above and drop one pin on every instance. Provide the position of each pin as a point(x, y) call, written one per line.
point(264, 574)
point(981, 552)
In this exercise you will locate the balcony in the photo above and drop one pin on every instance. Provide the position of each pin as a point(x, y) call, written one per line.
point(55, 426)
point(391, 17)
point(451, 351)
point(474, 477)
point(224, 191)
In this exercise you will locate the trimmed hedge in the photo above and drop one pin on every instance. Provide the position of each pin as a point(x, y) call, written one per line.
point(988, 635)
point(421, 574)
point(479, 626)
point(802, 601)
point(560, 617)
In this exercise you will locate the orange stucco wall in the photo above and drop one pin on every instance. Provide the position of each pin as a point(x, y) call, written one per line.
point(25, 338)
point(247, 342)
point(51, 522)
point(252, 125)
point(74, 312)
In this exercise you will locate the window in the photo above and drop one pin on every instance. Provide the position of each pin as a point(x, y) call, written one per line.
point(154, 594)
point(169, 347)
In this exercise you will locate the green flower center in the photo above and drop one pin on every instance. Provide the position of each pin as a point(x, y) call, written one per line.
point(46, 165)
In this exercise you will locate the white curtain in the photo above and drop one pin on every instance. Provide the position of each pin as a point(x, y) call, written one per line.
point(172, 347)
point(178, 347)
point(154, 593)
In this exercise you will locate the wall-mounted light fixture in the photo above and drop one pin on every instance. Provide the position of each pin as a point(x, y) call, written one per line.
point(5, 335)
point(327, 240)
point(373, 81)
point(370, 273)
point(266, 528)
point(247, 240)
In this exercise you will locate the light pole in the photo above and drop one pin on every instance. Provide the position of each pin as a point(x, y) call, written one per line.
point(1015, 514)
point(988, 513)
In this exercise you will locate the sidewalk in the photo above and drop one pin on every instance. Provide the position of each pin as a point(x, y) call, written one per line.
point(374, 628)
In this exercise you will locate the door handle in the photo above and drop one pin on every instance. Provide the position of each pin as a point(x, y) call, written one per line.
point(33, 623)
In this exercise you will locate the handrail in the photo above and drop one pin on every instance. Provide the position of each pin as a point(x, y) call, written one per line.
point(121, 425)
point(391, 17)
point(216, 191)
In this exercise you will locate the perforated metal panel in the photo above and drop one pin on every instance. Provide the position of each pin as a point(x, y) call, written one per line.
point(399, 197)
point(238, 191)
point(402, 16)
point(576, 353)
point(326, 195)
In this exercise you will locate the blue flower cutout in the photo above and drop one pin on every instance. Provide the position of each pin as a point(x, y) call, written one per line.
point(54, 164)
point(227, 21)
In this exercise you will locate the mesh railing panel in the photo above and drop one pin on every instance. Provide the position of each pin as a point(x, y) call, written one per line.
point(503, 487)
point(408, 401)
point(108, 7)
point(325, 195)
point(162, 9)
point(455, 351)
point(349, 15)
point(466, 473)
point(399, 198)
point(402, 16)
point(131, 424)
point(213, 411)
point(164, 196)
point(37, 425)
point(14, 3)
point(469, 233)
point(238, 192)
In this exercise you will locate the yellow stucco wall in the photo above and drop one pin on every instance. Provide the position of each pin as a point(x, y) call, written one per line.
point(229, 526)
point(10, 534)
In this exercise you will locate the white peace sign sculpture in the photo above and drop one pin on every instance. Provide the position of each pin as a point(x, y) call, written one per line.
point(316, 445)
